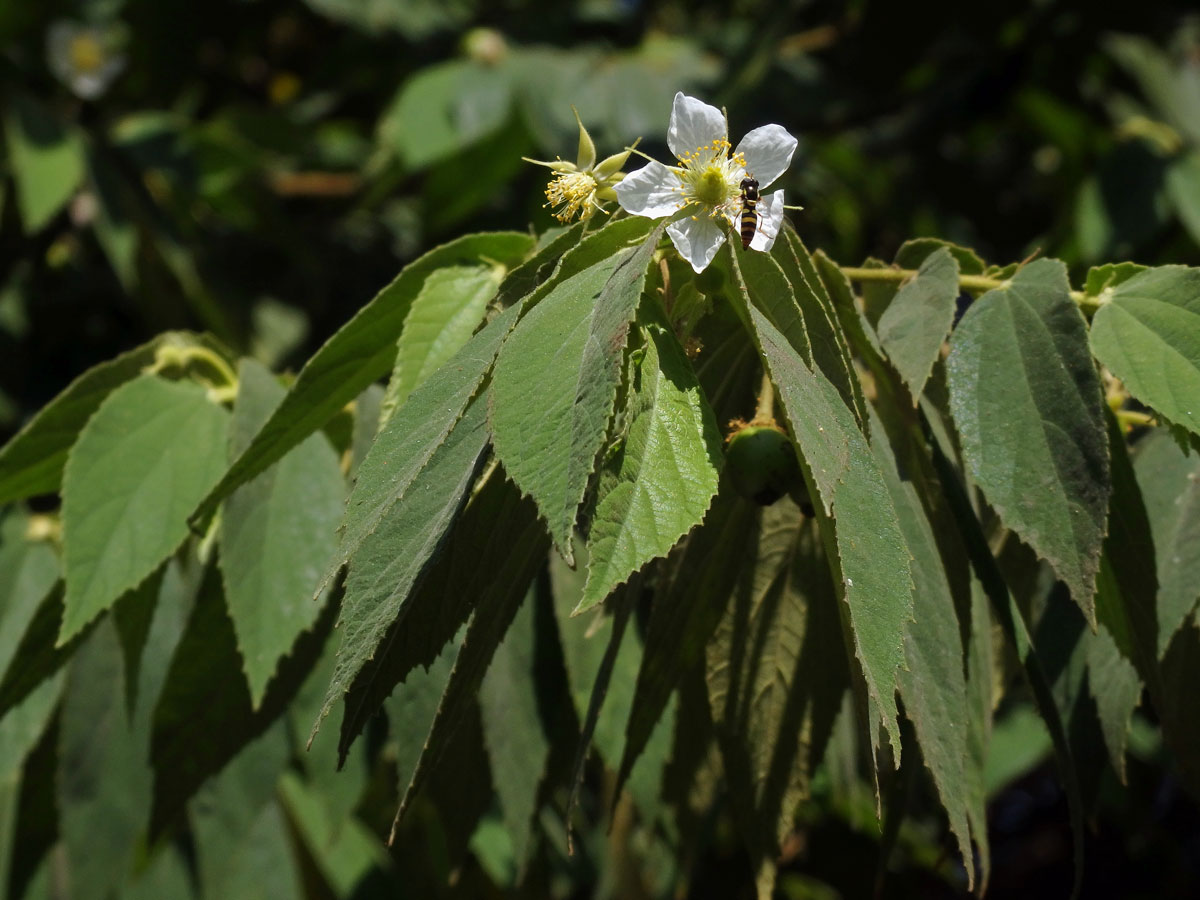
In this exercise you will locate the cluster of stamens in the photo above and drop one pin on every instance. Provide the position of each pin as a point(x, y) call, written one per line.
point(711, 177)
point(570, 192)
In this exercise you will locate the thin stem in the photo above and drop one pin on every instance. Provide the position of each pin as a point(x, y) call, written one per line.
point(765, 411)
point(967, 282)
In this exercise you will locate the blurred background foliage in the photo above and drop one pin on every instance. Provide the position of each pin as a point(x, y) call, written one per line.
point(260, 168)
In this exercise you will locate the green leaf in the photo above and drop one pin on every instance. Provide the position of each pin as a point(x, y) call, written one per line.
point(457, 705)
point(35, 654)
point(831, 354)
point(1183, 187)
point(204, 716)
point(517, 743)
point(362, 350)
point(918, 319)
point(367, 408)
point(413, 706)
point(46, 159)
point(1170, 88)
point(585, 641)
point(1170, 487)
point(1149, 337)
point(932, 684)
point(865, 545)
point(1101, 278)
point(277, 534)
point(23, 725)
point(444, 108)
point(345, 851)
point(699, 583)
point(1116, 690)
point(391, 558)
point(776, 672)
point(672, 450)
point(28, 571)
point(140, 466)
point(556, 381)
point(1026, 400)
point(408, 442)
point(263, 864)
point(32, 462)
point(480, 565)
point(224, 811)
point(1177, 707)
point(913, 253)
point(980, 654)
point(766, 285)
point(104, 780)
point(444, 315)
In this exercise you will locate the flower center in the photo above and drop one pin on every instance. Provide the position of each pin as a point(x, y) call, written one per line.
point(86, 53)
point(570, 192)
point(711, 177)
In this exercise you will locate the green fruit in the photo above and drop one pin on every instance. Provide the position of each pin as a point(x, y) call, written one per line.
point(762, 464)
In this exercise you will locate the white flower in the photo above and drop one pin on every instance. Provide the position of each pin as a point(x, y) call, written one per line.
point(709, 180)
point(86, 58)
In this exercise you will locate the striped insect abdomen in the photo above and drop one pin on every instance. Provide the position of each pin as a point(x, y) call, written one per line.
point(749, 214)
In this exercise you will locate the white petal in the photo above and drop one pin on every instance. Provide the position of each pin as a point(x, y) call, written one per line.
point(694, 124)
point(697, 240)
point(768, 151)
point(770, 218)
point(651, 191)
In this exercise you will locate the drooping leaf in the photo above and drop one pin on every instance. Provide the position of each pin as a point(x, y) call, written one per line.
point(104, 780)
point(28, 570)
point(480, 565)
point(556, 381)
point(700, 580)
point(278, 533)
point(1148, 335)
point(932, 684)
point(104, 777)
point(443, 316)
point(831, 354)
point(345, 851)
point(768, 287)
point(407, 444)
point(46, 159)
point(204, 715)
point(665, 473)
point(22, 726)
point(980, 654)
point(224, 811)
point(32, 462)
point(484, 633)
point(776, 672)
point(389, 561)
point(1169, 482)
point(1177, 707)
point(141, 464)
point(917, 320)
point(866, 549)
point(359, 353)
point(1008, 615)
point(518, 745)
point(1026, 400)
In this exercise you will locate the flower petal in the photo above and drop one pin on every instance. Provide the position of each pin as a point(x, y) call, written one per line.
point(697, 240)
point(768, 151)
point(694, 124)
point(770, 218)
point(651, 191)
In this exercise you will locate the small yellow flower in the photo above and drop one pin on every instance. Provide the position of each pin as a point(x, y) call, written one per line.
point(580, 188)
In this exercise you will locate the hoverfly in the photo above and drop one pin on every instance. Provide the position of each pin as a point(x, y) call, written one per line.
point(749, 218)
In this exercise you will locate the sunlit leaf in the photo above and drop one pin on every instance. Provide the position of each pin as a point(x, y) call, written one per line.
point(140, 466)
